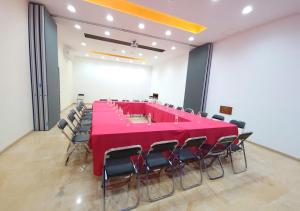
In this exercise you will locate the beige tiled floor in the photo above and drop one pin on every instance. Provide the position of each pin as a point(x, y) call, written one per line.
point(33, 177)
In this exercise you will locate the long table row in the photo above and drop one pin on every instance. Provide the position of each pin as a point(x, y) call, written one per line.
point(112, 128)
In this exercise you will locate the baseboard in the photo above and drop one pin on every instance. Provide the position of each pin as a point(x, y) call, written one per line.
point(275, 151)
point(15, 142)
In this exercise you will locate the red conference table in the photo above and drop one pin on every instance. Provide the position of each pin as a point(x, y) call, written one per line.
point(111, 128)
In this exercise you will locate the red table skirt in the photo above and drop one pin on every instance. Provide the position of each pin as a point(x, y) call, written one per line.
point(111, 128)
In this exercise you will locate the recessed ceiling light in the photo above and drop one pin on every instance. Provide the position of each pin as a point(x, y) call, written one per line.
point(140, 54)
point(109, 18)
point(83, 44)
point(107, 33)
point(168, 33)
point(102, 57)
point(141, 26)
point(130, 61)
point(71, 8)
point(191, 39)
point(154, 43)
point(87, 55)
point(173, 48)
point(123, 51)
point(246, 10)
point(117, 59)
point(77, 26)
point(155, 57)
point(215, 0)
point(143, 62)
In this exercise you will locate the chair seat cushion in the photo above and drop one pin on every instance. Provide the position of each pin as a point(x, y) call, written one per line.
point(186, 155)
point(80, 138)
point(156, 160)
point(235, 147)
point(83, 129)
point(119, 167)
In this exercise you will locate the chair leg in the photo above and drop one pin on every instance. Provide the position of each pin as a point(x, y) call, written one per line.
point(138, 194)
point(232, 164)
point(220, 163)
point(163, 196)
point(194, 185)
point(103, 187)
point(69, 154)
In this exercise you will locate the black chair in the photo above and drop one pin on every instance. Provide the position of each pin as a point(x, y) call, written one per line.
point(103, 100)
point(166, 104)
point(239, 147)
point(203, 114)
point(218, 149)
point(114, 100)
point(125, 100)
point(78, 128)
point(76, 141)
point(118, 162)
point(86, 109)
point(189, 110)
point(83, 115)
point(188, 153)
point(156, 159)
point(145, 101)
point(218, 117)
point(83, 121)
point(171, 106)
point(179, 108)
point(240, 124)
point(136, 101)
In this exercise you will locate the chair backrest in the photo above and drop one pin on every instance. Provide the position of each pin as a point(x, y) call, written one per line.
point(179, 108)
point(103, 99)
point(62, 124)
point(163, 146)
point(166, 104)
point(125, 100)
point(114, 100)
point(122, 152)
point(194, 142)
point(239, 124)
point(218, 117)
point(146, 101)
point(222, 144)
point(71, 117)
point(171, 106)
point(136, 101)
point(189, 110)
point(203, 114)
point(244, 136)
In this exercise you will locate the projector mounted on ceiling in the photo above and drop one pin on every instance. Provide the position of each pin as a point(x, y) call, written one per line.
point(133, 44)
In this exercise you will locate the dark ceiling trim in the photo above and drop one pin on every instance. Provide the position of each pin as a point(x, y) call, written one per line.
point(120, 42)
point(121, 29)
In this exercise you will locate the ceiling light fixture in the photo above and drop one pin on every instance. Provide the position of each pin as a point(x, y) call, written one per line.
point(140, 54)
point(154, 43)
point(107, 33)
point(246, 10)
point(77, 26)
point(87, 55)
point(71, 8)
point(83, 44)
point(109, 18)
point(102, 57)
point(155, 57)
point(123, 51)
point(173, 48)
point(117, 59)
point(130, 61)
point(191, 39)
point(141, 26)
point(168, 33)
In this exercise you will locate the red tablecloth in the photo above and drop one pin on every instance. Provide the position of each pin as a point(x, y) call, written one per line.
point(111, 128)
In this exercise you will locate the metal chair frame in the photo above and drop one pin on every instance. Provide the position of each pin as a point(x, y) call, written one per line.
point(215, 155)
point(242, 138)
point(148, 170)
point(105, 176)
point(184, 146)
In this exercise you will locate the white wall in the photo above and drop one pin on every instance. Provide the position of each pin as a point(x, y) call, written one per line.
point(15, 85)
point(168, 80)
point(257, 72)
point(66, 78)
point(106, 79)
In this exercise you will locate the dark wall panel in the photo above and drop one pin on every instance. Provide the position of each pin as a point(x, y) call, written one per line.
point(53, 87)
point(197, 77)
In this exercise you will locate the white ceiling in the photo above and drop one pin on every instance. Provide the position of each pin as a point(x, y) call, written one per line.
point(222, 18)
